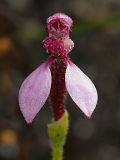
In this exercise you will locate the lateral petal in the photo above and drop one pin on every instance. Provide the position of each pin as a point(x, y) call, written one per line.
point(81, 89)
point(34, 91)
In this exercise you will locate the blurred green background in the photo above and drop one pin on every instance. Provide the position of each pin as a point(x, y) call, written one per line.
point(96, 34)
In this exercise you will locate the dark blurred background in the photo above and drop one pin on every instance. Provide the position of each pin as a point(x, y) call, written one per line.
point(96, 34)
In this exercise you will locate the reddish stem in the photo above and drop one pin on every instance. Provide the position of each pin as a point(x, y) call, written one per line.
point(58, 90)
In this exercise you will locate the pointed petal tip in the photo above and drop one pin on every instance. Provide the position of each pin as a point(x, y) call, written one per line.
point(28, 119)
point(89, 112)
point(29, 122)
point(88, 115)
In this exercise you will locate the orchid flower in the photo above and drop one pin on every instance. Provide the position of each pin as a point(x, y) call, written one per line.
point(57, 75)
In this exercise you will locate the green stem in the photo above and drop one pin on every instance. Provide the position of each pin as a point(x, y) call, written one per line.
point(57, 153)
point(57, 132)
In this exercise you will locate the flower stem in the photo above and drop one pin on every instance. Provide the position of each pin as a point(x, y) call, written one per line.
point(57, 132)
point(57, 153)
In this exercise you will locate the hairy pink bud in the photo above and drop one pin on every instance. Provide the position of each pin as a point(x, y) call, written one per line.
point(61, 46)
point(59, 24)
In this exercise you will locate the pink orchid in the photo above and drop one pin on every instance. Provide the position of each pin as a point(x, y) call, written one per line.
point(58, 71)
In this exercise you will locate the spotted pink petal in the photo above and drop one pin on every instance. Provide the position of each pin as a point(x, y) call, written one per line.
point(60, 16)
point(59, 24)
point(81, 89)
point(35, 91)
point(61, 46)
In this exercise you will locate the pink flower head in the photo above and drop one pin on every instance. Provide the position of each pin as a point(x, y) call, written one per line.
point(59, 25)
point(37, 86)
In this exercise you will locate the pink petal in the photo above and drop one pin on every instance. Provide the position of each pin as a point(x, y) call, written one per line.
point(61, 46)
point(59, 24)
point(81, 89)
point(35, 91)
point(60, 16)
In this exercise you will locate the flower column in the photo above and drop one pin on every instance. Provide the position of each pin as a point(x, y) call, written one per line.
point(58, 44)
